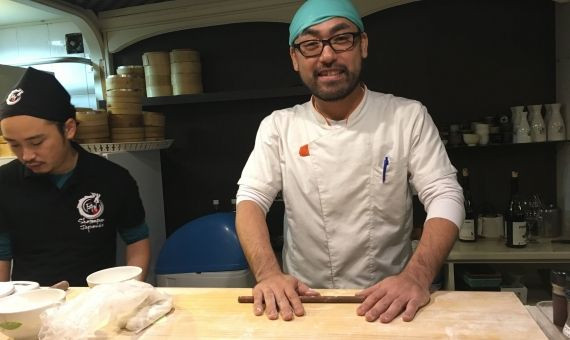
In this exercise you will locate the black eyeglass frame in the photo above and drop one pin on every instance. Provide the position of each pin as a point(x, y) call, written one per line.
point(324, 42)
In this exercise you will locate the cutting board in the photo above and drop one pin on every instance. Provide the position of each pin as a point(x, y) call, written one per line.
point(214, 313)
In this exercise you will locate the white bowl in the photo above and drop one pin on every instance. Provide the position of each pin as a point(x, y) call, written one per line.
point(113, 275)
point(471, 139)
point(20, 313)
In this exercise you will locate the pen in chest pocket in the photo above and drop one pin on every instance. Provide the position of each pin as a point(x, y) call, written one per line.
point(385, 168)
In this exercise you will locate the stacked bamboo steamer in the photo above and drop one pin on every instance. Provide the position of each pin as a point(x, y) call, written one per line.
point(136, 71)
point(157, 74)
point(186, 72)
point(124, 104)
point(5, 150)
point(153, 126)
point(92, 127)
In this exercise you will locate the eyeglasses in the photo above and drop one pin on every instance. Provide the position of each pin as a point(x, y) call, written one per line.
point(339, 43)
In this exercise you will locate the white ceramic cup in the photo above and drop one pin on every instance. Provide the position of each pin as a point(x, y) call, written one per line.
point(481, 127)
point(491, 226)
point(483, 138)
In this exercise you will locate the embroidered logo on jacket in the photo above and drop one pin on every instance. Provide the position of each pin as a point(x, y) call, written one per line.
point(14, 96)
point(91, 208)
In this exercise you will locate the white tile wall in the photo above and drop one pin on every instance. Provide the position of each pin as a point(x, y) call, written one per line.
point(8, 45)
point(33, 42)
point(19, 44)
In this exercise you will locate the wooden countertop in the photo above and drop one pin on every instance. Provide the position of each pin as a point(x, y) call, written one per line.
point(495, 250)
point(214, 313)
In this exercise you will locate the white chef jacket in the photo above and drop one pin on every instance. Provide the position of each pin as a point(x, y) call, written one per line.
point(348, 200)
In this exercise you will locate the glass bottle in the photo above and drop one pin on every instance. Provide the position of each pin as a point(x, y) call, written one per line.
point(468, 231)
point(559, 304)
point(516, 230)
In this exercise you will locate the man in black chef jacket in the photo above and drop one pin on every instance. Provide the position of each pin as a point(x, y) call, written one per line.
point(61, 206)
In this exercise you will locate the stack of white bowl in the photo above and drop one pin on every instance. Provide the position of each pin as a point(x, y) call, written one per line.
point(157, 74)
point(186, 71)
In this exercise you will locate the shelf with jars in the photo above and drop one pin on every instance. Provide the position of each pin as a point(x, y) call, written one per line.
point(522, 127)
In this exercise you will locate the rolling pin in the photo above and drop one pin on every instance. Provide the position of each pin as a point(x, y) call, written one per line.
point(315, 299)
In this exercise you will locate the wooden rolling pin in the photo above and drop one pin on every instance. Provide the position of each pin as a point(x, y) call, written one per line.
point(315, 299)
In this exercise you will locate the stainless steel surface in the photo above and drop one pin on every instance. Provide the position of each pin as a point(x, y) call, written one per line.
point(58, 60)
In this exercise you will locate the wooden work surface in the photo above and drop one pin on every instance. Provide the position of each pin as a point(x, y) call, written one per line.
point(214, 313)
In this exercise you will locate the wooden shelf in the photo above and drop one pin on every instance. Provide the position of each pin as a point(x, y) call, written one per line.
point(225, 96)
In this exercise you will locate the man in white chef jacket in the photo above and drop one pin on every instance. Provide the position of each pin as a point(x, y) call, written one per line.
point(346, 162)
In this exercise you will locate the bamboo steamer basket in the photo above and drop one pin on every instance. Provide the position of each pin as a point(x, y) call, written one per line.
point(97, 134)
point(159, 91)
point(94, 140)
point(6, 151)
point(182, 55)
point(158, 85)
point(186, 86)
point(133, 70)
point(137, 107)
point(85, 123)
point(124, 81)
point(92, 124)
point(153, 118)
point(154, 131)
point(157, 70)
point(123, 96)
point(130, 134)
point(93, 117)
point(154, 58)
point(102, 130)
point(136, 71)
point(186, 67)
point(158, 80)
point(125, 121)
point(115, 111)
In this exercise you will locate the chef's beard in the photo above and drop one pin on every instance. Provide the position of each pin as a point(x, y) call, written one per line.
point(338, 91)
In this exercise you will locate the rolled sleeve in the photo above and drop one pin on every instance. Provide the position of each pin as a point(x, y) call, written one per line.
point(261, 177)
point(431, 173)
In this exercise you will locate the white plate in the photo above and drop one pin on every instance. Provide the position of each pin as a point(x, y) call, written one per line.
point(6, 288)
point(24, 286)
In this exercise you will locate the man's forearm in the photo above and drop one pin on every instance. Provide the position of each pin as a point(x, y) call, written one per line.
point(437, 239)
point(138, 254)
point(5, 267)
point(253, 235)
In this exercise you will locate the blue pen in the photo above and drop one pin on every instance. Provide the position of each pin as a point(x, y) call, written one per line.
point(384, 168)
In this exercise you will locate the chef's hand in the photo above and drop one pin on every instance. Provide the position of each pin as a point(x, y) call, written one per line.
point(279, 294)
point(389, 297)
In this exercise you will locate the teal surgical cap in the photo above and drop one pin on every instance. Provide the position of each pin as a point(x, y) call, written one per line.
point(314, 12)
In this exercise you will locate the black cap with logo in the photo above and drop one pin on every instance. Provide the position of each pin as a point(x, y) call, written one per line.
point(40, 95)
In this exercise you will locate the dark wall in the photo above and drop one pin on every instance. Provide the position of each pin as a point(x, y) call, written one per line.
point(463, 59)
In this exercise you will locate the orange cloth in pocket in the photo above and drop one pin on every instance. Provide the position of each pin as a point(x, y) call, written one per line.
point(304, 150)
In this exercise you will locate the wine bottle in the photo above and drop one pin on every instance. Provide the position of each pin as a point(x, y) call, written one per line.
point(468, 231)
point(516, 230)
